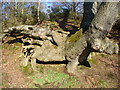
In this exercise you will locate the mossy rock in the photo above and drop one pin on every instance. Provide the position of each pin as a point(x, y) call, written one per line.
point(73, 38)
point(71, 41)
point(92, 58)
point(92, 61)
point(54, 23)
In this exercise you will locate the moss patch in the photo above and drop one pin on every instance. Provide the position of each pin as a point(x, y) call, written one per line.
point(92, 61)
point(76, 36)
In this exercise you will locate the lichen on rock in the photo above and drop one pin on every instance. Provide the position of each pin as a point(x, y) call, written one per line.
point(70, 41)
point(73, 38)
point(75, 45)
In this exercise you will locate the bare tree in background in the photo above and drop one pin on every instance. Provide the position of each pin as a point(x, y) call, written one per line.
point(38, 12)
point(23, 7)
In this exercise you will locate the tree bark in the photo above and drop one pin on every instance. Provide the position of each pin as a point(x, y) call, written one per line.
point(23, 7)
point(16, 4)
point(101, 25)
point(90, 9)
point(38, 13)
point(65, 17)
point(94, 39)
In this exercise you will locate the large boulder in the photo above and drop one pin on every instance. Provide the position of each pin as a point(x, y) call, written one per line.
point(40, 43)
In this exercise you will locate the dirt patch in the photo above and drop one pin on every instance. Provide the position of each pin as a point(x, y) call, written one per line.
point(103, 73)
point(12, 75)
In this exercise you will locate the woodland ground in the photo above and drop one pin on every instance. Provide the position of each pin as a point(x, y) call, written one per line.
point(103, 72)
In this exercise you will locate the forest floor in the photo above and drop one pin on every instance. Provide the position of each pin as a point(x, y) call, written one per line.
point(103, 72)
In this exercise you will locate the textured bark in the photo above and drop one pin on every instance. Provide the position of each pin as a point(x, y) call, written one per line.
point(38, 11)
point(95, 38)
point(101, 25)
point(90, 9)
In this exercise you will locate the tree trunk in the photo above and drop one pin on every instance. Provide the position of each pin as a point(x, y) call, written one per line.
point(94, 39)
point(90, 9)
point(38, 13)
point(63, 23)
point(16, 4)
point(23, 7)
point(65, 17)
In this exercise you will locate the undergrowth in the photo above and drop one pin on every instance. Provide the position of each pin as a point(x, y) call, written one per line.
point(57, 79)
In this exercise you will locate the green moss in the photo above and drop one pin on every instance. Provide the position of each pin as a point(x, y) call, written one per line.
point(92, 58)
point(76, 36)
point(39, 81)
point(92, 61)
point(54, 23)
point(72, 39)
point(82, 66)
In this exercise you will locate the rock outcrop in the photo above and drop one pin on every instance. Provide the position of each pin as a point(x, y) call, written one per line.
point(39, 43)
